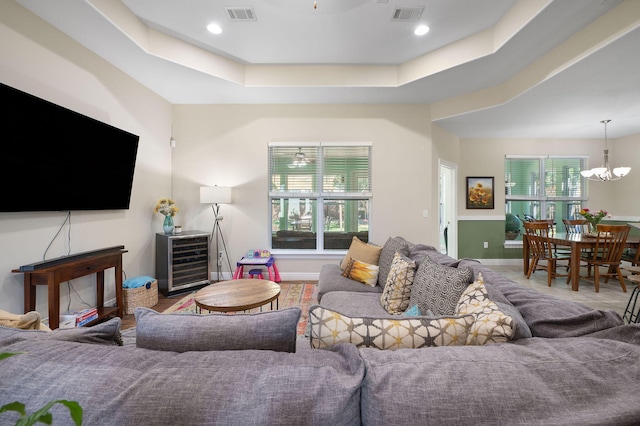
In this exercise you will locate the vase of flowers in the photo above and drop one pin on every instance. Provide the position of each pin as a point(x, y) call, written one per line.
point(168, 208)
point(593, 218)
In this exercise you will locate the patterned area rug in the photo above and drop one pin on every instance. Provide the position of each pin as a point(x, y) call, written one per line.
point(291, 294)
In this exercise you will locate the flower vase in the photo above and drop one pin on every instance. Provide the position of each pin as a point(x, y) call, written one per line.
point(168, 225)
point(593, 229)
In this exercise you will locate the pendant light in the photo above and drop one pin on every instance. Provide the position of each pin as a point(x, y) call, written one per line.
point(604, 173)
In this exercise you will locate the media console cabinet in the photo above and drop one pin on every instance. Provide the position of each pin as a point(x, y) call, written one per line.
point(62, 269)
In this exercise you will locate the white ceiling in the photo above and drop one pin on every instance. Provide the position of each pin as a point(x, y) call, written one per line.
point(490, 68)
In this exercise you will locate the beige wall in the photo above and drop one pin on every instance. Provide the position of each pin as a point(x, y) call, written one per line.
point(485, 157)
point(42, 61)
point(227, 146)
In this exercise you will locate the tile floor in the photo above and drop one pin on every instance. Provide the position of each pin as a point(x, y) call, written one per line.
point(610, 296)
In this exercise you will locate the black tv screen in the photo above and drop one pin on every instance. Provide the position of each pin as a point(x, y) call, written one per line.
point(55, 159)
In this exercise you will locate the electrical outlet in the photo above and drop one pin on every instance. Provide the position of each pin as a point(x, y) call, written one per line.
point(221, 255)
point(486, 244)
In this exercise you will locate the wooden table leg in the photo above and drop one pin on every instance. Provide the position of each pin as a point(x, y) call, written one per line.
point(525, 254)
point(29, 294)
point(53, 286)
point(575, 266)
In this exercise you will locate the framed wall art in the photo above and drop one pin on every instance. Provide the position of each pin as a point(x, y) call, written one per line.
point(480, 193)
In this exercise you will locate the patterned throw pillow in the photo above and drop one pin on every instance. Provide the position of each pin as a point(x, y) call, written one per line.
point(361, 272)
point(438, 287)
point(397, 291)
point(329, 327)
point(364, 252)
point(491, 324)
point(389, 250)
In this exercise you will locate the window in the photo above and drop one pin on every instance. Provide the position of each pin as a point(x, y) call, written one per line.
point(545, 187)
point(320, 194)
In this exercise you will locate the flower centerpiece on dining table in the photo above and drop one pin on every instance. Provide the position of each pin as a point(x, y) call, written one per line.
point(593, 218)
point(168, 208)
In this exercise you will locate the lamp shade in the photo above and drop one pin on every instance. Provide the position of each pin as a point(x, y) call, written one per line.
point(215, 195)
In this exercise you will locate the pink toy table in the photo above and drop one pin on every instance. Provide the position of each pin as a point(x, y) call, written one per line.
point(269, 262)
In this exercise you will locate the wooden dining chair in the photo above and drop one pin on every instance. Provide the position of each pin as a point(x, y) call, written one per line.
point(575, 226)
point(607, 252)
point(542, 249)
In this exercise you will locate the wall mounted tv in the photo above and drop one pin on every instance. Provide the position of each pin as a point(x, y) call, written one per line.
point(54, 159)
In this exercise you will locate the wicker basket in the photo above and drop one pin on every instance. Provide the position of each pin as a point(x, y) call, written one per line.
point(141, 297)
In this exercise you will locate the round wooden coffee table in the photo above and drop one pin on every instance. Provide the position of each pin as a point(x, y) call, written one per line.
point(237, 295)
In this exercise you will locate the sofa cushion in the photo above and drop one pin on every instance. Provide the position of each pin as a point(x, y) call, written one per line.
point(331, 280)
point(438, 287)
point(273, 330)
point(356, 304)
point(389, 249)
point(105, 333)
point(364, 252)
point(362, 272)
point(397, 291)
point(330, 327)
point(132, 386)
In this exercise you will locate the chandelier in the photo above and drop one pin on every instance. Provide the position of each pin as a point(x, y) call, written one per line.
point(604, 173)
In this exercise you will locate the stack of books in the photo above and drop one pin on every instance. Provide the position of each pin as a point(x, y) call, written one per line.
point(86, 316)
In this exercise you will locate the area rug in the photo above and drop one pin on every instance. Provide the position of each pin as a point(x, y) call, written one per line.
point(291, 294)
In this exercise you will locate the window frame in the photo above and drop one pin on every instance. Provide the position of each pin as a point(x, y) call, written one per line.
point(541, 197)
point(317, 193)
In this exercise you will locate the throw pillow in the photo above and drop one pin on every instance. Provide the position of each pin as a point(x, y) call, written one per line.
point(438, 287)
point(413, 311)
point(105, 333)
point(364, 252)
point(361, 272)
point(272, 330)
point(491, 324)
point(390, 248)
point(397, 291)
point(330, 328)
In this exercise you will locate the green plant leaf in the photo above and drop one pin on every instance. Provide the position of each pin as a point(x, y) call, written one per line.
point(8, 354)
point(14, 406)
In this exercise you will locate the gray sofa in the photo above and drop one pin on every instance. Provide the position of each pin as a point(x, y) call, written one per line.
point(579, 367)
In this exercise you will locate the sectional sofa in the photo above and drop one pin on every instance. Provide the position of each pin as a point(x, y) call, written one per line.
point(540, 361)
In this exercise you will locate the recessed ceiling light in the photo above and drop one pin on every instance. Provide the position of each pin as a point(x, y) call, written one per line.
point(421, 30)
point(214, 29)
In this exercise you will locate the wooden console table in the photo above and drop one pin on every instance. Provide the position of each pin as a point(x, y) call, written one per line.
point(53, 272)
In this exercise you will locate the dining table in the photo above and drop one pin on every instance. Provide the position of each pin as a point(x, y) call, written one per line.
point(577, 243)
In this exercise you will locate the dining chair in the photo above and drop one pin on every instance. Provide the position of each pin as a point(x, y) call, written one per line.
point(632, 256)
point(607, 252)
point(575, 226)
point(542, 249)
point(632, 312)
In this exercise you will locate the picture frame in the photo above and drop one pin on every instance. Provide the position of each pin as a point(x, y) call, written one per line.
point(480, 192)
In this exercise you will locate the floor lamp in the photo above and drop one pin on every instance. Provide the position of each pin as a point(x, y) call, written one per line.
point(216, 195)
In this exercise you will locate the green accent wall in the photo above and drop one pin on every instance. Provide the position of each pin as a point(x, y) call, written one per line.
point(473, 233)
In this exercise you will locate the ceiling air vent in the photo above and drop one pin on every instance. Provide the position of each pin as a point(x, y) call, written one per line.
point(241, 13)
point(406, 14)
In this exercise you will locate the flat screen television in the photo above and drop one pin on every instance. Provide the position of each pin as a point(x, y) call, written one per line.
point(55, 159)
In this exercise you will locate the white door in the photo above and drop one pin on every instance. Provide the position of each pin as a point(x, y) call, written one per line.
point(447, 214)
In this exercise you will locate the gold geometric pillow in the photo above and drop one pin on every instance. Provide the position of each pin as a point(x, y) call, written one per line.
point(329, 328)
point(361, 272)
point(491, 324)
point(364, 252)
point(397, 290)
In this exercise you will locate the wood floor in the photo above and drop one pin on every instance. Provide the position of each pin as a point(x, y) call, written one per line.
point(164, 302)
